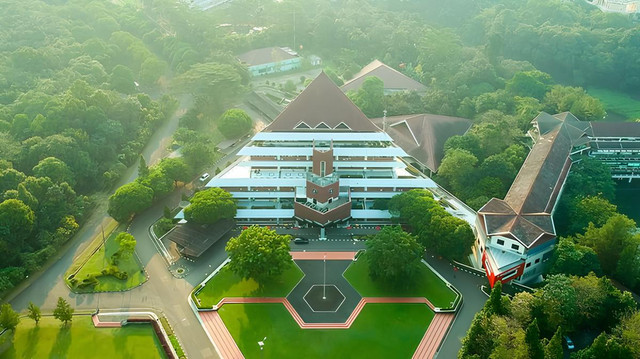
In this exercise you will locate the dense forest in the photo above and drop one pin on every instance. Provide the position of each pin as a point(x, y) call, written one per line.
point(83, 86)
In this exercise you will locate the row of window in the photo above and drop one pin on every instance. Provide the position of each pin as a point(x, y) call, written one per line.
point(514, 246)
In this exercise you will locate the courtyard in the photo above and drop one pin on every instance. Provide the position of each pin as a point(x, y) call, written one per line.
point(334, 305)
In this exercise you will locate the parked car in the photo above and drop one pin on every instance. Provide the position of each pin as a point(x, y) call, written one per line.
point(301, 241)
point(569, 343)
point(204, 177)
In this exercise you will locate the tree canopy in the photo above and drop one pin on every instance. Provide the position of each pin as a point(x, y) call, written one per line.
point(129, 200)
point(210, 206)
point(259, 253)
point(393, 256)
point(234, 123)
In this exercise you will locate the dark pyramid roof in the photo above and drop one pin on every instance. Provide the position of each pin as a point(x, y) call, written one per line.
point(392, 78)
point(423, 136)
point(322, 102)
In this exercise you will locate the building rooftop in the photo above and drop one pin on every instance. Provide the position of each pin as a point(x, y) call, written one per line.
point(322, 107)
point(423, 136)
point(197, 238)
point(393, 79)
point(266, 55)
point(615, 129)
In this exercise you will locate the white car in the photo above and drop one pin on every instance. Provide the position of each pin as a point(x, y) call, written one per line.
point(204, 177)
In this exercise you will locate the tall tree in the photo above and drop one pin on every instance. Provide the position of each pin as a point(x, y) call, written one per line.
point(532, 337)
point(34, 312)
point(393, 256)
point(553, 349)
point(495, 303)
point(370, 97)
point(63, 311)
point(126, 244)
point(143, 169)
point(259, 253)
point(9, 318)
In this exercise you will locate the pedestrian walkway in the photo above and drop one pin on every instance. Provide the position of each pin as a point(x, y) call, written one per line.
point(434, 336)
point(220, 336)
point(228, 348)
point(315, 256)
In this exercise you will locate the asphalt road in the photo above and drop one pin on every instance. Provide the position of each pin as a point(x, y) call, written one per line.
point(469, 285)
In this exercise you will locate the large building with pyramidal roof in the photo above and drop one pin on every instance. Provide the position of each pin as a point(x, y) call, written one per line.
point(516, 236)
point(321, 161)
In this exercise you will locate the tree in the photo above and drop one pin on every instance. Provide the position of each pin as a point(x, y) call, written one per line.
point(210, 206)
point(259, 253)
point(16, 220)
point(213, 84)
point(197, 155)
point(457, 169)
point(34, 312)
point(370, 97)
point(9, 318)
point(530, 84)
point(55, 169)
point(63, 311)
point(176, 169)
point(143, 169)
point(469, 142)
point(122, 79)
point(609, 240)
point(570, 258)
point(590, 209)
point(128, 200)
point(495, 304)
point(553, 349)
point(532, 337)
point(126, 244)
point(234, 123)
point(478, 340)
point(393, 256)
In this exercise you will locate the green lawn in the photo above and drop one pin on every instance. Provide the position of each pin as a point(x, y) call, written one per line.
point(99, 261)
point(79, 340)
point(427, 285)
point(228, 284)
point(380, 331)
point(618, 102)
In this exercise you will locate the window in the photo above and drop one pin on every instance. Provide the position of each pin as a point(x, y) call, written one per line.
point(323, 168)
point(314, 191)
point(537, 261)
point(528, 265)
point(500, 242)
point(331, 190)
point(515, 247)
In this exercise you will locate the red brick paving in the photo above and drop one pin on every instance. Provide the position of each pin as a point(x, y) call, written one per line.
point(228, 348)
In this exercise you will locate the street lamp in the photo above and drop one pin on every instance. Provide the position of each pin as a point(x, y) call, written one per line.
point(324, 282)
point(261, 344)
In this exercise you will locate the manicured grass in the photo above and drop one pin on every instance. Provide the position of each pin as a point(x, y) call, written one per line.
point(228, 284)
point(380, 331)
point(100, 260)
point(618, 102)
point(79, 340)
point(426, 284)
